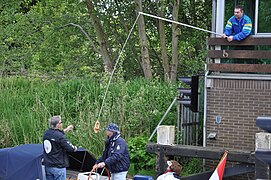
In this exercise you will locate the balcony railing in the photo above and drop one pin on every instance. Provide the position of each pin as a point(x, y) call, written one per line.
point(247, 49)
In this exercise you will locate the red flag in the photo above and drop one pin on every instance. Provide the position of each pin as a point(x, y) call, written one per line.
point(219, 171)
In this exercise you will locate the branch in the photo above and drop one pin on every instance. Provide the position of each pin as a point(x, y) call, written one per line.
point(85, 33)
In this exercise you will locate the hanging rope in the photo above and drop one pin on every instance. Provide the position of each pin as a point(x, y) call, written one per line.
point(97, 123)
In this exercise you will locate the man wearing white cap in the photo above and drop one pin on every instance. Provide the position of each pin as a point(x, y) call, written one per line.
point(115, 155)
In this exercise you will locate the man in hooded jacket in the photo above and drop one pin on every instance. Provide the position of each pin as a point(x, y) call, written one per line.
point(115, 155)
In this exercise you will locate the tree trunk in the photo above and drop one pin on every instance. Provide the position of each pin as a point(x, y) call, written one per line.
point(163, 41)
point(100, 36)
point(175, 31)
point(145, 57)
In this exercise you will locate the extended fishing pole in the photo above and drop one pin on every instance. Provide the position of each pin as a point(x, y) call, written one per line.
point(97, 124)
point(182, 24)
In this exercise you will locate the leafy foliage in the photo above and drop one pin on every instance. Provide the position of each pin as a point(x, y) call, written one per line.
point(191, 166)
point(43, 37)
point(138, 155)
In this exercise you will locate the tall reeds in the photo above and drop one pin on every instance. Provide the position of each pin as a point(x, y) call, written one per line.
point(27, 104)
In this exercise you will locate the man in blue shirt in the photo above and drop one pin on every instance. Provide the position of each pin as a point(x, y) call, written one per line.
point(239, 26)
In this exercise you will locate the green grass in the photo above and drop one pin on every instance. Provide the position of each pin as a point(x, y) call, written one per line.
point(27, 104)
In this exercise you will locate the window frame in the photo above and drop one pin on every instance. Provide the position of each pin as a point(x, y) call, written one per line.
point(256, 21)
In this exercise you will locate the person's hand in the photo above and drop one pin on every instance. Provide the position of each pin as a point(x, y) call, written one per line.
point(101, 165)
point(230, 38)
point(224, 36)
point(94, 167)
point(70, 127)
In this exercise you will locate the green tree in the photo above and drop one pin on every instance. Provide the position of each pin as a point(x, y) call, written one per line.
point(57, 38)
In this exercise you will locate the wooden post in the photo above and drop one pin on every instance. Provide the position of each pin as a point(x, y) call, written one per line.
point(161, 162)
point(262, 169)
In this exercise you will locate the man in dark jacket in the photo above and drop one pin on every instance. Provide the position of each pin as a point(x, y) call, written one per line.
point(55, 151)
point(115, 155)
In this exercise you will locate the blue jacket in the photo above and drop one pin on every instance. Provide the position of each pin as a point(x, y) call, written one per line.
point(116, 155)
point(55, 148)
point(239, 29)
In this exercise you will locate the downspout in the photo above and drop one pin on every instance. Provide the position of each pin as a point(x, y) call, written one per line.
point(205, 106)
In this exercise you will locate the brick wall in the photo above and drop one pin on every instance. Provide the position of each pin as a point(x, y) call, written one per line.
point(239, 103)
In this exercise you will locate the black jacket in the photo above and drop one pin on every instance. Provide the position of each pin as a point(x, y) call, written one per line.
point(116, 155)
point(55, 148)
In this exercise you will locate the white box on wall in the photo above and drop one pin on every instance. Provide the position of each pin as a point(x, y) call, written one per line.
point(165, 134)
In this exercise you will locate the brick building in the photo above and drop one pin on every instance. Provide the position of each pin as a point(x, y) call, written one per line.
point(237, 90)
point(238, 83)
point(238, 101)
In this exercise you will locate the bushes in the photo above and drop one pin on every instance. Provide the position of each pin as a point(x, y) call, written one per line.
point(27, 104)
point(141, 161)
point(191, 166)
point(138, 155)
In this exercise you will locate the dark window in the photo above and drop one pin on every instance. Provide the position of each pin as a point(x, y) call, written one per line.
point(264, 17)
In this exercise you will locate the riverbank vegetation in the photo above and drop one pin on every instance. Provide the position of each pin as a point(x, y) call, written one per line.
point(56, 57)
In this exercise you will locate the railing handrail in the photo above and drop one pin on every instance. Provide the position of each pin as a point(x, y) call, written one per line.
point(250, 41)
